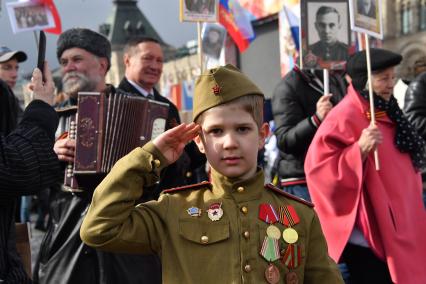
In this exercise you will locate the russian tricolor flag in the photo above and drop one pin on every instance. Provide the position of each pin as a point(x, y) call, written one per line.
point(237, 22)
point(289, 24)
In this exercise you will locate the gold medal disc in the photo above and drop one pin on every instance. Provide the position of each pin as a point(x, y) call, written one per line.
point(290, 235)
point(273, 232)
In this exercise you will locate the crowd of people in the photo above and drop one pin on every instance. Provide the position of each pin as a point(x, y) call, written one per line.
point(162, 216)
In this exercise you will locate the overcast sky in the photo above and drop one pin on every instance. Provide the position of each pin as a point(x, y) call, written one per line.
point(163, 15)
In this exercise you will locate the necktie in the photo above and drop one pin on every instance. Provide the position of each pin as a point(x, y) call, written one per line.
point(150, 96)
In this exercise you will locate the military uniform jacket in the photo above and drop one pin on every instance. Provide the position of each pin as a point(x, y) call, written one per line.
point(195, 249)
point(336, 52)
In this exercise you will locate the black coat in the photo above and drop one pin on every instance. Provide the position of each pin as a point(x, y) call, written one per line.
point(415, 107)
point(293, 104)
point(64, 258)
point(27, 165)
point(415, 103)
point(188, 169)
point(10, 111)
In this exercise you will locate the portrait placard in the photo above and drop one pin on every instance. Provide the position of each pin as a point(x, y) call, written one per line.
point(199, 10)
point(29, 16)
point(326, 36)
point(366, 17)
point(213, 38)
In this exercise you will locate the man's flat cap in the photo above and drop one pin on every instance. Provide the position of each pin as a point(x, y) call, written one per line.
point(380, 60)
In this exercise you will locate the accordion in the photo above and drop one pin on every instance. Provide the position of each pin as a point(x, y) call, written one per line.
point(106, 128)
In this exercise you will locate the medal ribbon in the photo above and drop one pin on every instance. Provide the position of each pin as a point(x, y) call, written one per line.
point(270, 249)
point(292, 256)
point(288, 216)
point(267, 213)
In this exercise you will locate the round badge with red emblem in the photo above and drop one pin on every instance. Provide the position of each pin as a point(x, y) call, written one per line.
point(215, 211)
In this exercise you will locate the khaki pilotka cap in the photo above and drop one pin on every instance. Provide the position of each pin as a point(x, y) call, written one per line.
point(220, 85)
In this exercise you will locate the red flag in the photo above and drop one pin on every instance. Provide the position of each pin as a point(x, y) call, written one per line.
point(234, 18)
point(176, 95)
point(58, 26)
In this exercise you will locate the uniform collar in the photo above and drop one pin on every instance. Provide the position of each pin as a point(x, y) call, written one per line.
point(241, 191)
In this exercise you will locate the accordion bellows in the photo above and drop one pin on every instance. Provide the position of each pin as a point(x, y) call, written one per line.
point(110, 126)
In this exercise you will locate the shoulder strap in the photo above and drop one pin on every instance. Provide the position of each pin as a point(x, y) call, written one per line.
point(288, 195)
point(189, 187)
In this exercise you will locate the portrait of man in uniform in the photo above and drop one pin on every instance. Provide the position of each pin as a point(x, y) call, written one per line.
point(365, 17)
point(367, 8)
point(332, 44)
point(213, 39)
point(29, 16)
point(198, 10)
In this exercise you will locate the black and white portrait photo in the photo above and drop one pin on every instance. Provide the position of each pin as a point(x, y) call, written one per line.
point(367, 8)
point(28, 15)
point(365, 16)
point(327, 34)
point(198, 10)
point(213, 39)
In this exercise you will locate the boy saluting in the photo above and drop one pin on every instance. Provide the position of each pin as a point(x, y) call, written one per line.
point(233, 229)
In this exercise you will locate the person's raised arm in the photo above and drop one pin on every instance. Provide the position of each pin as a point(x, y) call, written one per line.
point(113, 222)
point(27, 160)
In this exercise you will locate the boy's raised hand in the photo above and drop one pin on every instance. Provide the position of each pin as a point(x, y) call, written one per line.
point(172, 142)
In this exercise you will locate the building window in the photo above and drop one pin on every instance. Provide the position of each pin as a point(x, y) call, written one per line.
point(406, 17)
point(422, 15)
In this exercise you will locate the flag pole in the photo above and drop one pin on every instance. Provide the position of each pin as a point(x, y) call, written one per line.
point(326, 81)
point(200, 48)
point(36, 39)
point(300, 44)
point(370, 94)
point(359, 36)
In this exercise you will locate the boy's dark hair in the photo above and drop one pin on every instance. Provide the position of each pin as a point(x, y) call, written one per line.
point(253, 104)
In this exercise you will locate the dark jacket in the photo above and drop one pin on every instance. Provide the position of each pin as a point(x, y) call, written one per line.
point(335, 52)
point(415, 103)
point(10, 111)
point(415, 106)
point(293, 105)
point(27, 165)
point(63, 258)
point(188, 169)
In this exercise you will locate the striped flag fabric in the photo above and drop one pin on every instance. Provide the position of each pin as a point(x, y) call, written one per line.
point(289, 30)
point(237, 22)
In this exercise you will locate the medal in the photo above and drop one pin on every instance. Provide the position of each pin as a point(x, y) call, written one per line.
point(292, 256)
point(215, 211)
point(273, 232)
point(270, 249)
point(194, 211)
point(267, 213)
point(291, 278)
point(288, 216)
point(272, 274)
point(290, 235)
